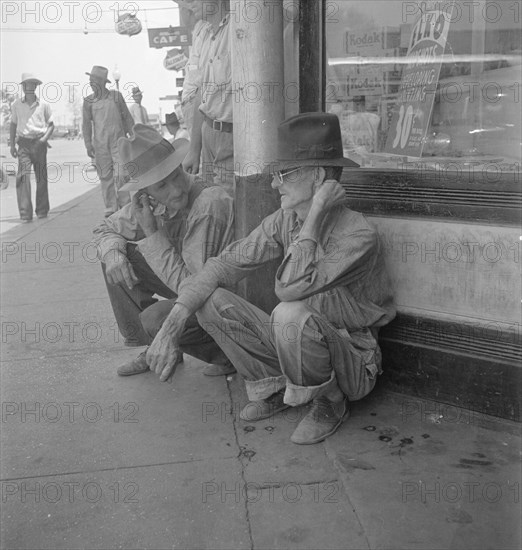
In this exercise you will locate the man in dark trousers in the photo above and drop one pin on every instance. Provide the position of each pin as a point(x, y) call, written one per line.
point(106, 118)
point(320, 343)
point(31, 127)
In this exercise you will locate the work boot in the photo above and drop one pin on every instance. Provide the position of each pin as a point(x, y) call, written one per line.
point(259, 410)
point(219, 370)
point(322, 421)
point(136, 366)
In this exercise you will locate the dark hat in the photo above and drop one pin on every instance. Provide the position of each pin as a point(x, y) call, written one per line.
point(171, 118)
point(150, 157)
point(99, 72)
point(310, 139)
point(136, 90)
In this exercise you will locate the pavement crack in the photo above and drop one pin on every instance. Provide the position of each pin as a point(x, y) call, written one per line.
point(240, 455)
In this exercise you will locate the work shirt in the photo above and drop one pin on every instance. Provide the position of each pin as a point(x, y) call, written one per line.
point(139, 114)
point(110, 117)
point(216, 88)
point(201, 41)
point(31, 121)
point(184, 240)
point(342, 275)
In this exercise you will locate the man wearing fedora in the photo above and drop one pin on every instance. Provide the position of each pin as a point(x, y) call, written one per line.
point(138, 112)
point(174, 127)
point(172, 226)
point(106, 118)
point(31, 127)
point(320, 343)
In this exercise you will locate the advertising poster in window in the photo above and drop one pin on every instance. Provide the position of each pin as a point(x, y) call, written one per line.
point(412, 112)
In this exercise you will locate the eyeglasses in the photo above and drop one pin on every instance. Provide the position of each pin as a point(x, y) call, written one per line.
point(280, 174)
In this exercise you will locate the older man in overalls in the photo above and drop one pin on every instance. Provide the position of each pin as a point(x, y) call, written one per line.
point(106, 118)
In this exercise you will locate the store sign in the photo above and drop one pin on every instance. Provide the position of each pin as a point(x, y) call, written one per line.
point(175, 60)
point(128, 24)
point(169, 37)
point(412, 112)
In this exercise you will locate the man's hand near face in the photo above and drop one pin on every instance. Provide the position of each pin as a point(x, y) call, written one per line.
point(163, 355)
point(142, 210)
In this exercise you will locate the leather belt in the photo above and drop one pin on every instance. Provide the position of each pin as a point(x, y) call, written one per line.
point(219, 125)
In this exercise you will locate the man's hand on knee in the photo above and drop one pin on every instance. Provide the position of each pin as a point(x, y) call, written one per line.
point(119, 270)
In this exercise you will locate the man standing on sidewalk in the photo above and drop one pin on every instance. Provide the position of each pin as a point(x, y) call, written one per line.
point(173, 225)
point(320, 343)
point(211, 142)
point(138, 112)
point(31, 127)
point(106, 118)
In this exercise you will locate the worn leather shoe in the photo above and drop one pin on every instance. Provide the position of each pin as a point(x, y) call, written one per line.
point(136, 366)
point(322, 421)
point(259, 410)
point(219, 370)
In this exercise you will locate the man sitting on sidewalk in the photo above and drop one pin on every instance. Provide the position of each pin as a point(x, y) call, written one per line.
point(172, 226)
point(320, 343)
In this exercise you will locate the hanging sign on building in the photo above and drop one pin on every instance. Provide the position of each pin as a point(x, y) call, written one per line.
point(175, 60)
point(169, 37)
point(128, 24)
point(412, 113)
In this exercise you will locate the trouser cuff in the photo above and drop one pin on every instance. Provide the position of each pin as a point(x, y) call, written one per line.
point(261, 389)
point(299, 395)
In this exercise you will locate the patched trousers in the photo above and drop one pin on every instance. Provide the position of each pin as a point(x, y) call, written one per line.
point(295, 348)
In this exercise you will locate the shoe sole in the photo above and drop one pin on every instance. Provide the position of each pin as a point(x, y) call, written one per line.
point(324, 436)
point(132, 373)
point(218, 371)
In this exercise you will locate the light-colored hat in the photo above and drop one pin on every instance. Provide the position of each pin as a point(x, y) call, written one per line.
point(148, 157)
point(26, 77)
point(99, 72)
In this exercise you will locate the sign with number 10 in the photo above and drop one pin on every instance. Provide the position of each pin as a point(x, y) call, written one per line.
point(412, 112)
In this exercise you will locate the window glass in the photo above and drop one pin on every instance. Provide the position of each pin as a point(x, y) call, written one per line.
point(437, 81)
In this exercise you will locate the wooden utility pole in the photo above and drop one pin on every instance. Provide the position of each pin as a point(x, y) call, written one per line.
point(258, 92)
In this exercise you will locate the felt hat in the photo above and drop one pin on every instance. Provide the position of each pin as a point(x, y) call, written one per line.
point(136, 90)
point(171, 118)
point(148, 157)
point(27, 77)
point(310, 139)
point(99, 72)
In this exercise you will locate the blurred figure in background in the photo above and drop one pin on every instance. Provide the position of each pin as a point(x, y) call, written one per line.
point(174, 127)
point(138, 112)
point(106, 118)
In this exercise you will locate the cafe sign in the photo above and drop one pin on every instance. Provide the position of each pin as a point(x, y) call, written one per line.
point(169, 37)
point(412, 113)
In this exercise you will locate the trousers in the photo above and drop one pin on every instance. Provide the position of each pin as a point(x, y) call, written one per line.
point(295, 349)
point(140, 316)
point(217, 158)
point(32, 153)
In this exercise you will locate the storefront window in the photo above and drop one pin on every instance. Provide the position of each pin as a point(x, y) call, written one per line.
point(437, 81)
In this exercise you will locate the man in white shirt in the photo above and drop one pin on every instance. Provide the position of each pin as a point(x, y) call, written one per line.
point(138, 112)
point(31, 127)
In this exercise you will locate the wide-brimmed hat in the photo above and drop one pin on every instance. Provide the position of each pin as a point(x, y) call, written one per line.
point(136, 90)
point(99, 72)
point(171, 118)
point(310, 139)
point(148, 157)
point(28, 77)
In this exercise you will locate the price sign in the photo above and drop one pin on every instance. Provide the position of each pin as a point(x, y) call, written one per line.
point(412, 112)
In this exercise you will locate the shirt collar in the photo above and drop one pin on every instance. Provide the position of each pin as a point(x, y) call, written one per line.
point(36, 101)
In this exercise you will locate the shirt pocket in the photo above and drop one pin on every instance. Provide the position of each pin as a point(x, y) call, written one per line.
point(222, 70)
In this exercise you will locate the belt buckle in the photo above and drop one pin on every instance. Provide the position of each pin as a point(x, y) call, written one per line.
point(217, 125)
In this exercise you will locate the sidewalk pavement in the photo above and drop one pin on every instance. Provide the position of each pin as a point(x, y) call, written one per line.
point(91, 460)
